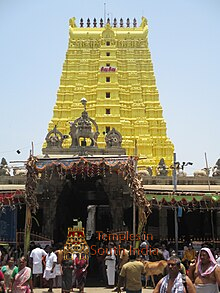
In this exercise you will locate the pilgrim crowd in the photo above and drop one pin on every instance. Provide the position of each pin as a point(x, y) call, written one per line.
point(43, 268)
point(194, 272)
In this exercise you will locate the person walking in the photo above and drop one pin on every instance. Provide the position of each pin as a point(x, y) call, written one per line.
point(81, 272)
point(36, 257)
point(174, 281)
point(110, 262)
point(67, 271)
point(205, 273)
point(59, 254)
point(131, 275)
point(123, 259)
point(50, 272)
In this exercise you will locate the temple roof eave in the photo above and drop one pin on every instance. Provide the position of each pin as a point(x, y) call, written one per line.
point(67, 162)
point(182, 188)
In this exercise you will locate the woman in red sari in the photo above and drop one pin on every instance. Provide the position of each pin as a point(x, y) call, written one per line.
point(81, 272)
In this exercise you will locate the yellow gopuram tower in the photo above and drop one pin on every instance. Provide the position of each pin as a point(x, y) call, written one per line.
point(110, 65)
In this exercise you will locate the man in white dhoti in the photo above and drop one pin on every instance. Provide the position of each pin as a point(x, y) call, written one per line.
point(205, 273)
point(50, 272)
point(110, 262)
point(36, 263)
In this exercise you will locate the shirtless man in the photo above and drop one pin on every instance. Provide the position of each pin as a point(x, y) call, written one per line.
point(174, 281)
point(205, 273)
point(59, 254)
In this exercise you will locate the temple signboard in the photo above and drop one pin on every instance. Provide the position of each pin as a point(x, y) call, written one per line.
point(108, 69)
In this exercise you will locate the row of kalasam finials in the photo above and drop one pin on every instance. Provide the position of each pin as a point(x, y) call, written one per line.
point(102, 23)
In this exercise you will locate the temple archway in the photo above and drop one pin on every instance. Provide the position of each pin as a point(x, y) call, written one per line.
point(74, 201)
point(60, 186)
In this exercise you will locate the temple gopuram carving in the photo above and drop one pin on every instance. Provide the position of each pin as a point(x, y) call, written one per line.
point(84, 134)
point(110, 65)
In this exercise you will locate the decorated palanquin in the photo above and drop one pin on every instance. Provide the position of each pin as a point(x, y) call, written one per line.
point(75, 243)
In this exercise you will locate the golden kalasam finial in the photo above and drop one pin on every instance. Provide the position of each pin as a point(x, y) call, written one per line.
point(84, 101)
point(72, 22)
point(143, 22)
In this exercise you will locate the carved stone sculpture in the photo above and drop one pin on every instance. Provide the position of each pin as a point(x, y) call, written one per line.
point(54, 138)
point(200, 173)
point(82, 128)
point(19, 172)
point(162, 168)
point(4, 169)
point(216, 169)
point(113, 139)
point(150, 170)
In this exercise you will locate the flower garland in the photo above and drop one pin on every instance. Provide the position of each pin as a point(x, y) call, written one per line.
point(32, 175)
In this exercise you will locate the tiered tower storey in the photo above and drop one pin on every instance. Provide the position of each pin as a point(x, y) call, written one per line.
point(110, 65)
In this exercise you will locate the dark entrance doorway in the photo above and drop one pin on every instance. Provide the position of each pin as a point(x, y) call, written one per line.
point(76, 196)
point(73, 201)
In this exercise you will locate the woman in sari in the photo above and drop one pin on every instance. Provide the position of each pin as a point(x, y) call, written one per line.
point(67, 271)
point(81, 272)
point(7, 270)
point(22, 282)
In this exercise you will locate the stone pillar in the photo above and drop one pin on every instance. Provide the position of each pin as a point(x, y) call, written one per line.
point(117, 212)
point(90, 223)
point(163, 229)
point(49, 214)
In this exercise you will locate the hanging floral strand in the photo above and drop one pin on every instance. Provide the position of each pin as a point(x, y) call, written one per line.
point(129, 174)
point(30, 199)
point(30, 196)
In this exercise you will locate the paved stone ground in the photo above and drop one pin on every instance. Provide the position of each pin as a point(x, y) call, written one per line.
point(87, 290)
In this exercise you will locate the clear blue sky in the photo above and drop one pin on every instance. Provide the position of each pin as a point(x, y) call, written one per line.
point(184, 40)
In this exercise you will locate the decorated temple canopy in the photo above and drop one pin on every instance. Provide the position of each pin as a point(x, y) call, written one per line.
point(85, 167)
point(12, 197)
point(91, 166)
point(185, 200)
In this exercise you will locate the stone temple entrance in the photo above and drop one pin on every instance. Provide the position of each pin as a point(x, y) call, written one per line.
point(97, 186)
point(92, 190)
point(85, 200)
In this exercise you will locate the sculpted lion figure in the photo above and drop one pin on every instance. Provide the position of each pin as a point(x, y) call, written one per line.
point(200, 173)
